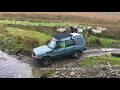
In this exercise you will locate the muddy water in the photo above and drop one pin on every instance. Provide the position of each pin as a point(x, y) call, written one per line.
point(10, 67)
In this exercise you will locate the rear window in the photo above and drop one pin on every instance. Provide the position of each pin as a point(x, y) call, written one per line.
point(79, 41)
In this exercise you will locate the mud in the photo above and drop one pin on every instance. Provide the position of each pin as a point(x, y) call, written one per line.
point(26, 67)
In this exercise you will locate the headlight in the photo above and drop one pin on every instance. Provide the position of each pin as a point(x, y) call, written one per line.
point(36, 56)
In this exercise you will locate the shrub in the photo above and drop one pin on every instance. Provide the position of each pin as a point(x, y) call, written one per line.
point(28, 41)
point(94, 42)
point(97, 41)
point(48, 41)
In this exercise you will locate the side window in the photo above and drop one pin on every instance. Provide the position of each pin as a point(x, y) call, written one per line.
point(79, 41)
point(70, 43)
point(60, 44)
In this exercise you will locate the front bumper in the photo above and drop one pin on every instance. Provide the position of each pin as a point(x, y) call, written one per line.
point(35, 56)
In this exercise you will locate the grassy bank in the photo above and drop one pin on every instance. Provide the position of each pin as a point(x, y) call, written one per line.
point(94, 41)
point(15, 40)
point(97, 60)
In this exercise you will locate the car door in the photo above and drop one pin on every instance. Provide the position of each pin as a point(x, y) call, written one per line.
point(60, 49)
point(80, 44)
point(70, 46)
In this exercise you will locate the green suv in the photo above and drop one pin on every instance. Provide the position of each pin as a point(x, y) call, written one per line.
point(62, 44)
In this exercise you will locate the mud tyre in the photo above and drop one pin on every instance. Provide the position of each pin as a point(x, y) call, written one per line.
point(46, 61)
point(76, 54)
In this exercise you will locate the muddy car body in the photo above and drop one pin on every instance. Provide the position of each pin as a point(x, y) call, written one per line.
point(63, 44)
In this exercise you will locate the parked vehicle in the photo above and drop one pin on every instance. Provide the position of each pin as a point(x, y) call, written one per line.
point(62, 44)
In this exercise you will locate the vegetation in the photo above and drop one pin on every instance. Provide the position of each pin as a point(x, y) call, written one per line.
point(110, 36)
point(37, 23)
point(46, 74)
point(97, 60)
point(24, 32)
point(59, 18)
point(94, 41)
point(15, 40)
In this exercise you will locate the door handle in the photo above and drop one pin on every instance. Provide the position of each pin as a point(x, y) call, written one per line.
point(73, 47)
point(64, 49)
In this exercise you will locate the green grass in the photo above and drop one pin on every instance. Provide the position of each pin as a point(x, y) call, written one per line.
point(25, 33)
point(18, 40)
point(97, 60)
point(99, 41)
point(15, 40)
point(38, 23)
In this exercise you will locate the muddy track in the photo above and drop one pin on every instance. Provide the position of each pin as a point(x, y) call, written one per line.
point(26, 67)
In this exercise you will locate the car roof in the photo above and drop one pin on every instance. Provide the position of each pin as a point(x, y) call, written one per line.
point(62, 35)
point(75, 34)
point(66, 36)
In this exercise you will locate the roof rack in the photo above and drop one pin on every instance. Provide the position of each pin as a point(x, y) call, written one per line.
point(62, 35)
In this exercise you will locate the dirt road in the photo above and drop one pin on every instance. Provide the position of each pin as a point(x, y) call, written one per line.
point(27, 67)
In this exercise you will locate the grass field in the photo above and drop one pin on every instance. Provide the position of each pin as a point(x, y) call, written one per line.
point(94, 41)
point(93, 61)
point(16, 40)
point(31, 23)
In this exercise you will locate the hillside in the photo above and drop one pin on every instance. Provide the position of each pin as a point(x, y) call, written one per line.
point(84, 17)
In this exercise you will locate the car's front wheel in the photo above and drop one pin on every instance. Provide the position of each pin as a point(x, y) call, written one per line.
point(46, 61)
point(76, 54)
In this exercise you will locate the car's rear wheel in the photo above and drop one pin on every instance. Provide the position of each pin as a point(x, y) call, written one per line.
point(76, 54)
point(46, 61)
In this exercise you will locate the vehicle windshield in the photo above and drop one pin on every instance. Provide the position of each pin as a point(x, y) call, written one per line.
point(52, 44)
